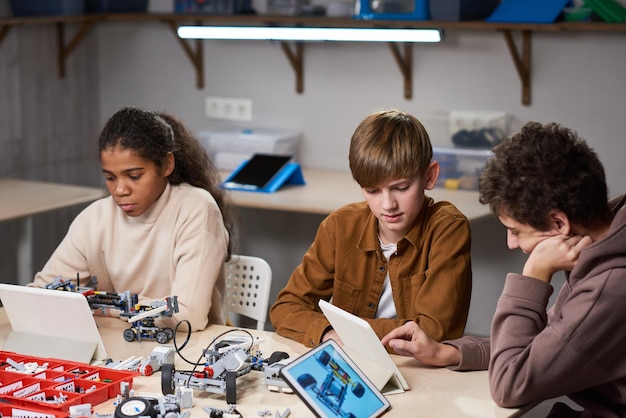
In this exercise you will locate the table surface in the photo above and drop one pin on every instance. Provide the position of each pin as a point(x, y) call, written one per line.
point(21, 198)
point(327, 190)
point(434, 392)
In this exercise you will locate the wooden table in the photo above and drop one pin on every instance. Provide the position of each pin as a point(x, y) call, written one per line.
point(327, 190)
point(21, 199)
point(434, 392)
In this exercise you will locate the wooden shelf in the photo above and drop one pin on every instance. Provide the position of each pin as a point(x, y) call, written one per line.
point(519, 46)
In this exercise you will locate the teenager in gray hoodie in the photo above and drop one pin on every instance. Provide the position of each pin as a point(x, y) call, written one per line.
point(548, 188)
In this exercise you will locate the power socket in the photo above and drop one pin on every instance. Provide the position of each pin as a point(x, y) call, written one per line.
point(228, 108)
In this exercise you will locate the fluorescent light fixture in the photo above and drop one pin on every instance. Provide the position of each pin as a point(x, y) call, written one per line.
point(309, 34)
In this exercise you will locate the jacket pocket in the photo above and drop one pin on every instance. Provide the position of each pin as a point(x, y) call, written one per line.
point(345, 295)
point(415, 280)
point(411, 287)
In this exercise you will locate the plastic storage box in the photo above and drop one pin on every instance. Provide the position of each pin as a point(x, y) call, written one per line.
point(116, 6)
point(286, 7)
point(460, 168)
point(53, 385)
point(392, 9)
point(229, 148)
point(462, 9)
point(47, 7)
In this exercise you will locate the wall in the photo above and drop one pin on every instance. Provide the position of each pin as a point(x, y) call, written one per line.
point(48, 127)
point(577, 79)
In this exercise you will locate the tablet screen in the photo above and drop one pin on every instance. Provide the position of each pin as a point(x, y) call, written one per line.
point(258, 170)
point(331, 385)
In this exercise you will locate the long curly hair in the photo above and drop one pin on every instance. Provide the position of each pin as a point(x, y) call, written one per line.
point(152, 135)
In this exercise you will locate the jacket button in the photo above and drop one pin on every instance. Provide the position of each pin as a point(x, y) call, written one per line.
point(370, 305)
point(381, 268)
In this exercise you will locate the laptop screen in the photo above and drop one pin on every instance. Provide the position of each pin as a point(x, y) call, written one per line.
point(51, 323)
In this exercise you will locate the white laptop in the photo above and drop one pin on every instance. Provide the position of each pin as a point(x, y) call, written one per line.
point(364, 347)
point(51, 323)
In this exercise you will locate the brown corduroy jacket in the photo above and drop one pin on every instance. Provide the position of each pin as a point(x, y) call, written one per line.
point(430, 275)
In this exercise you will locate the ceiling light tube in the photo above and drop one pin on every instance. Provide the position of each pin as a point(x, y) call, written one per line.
point(309, 34)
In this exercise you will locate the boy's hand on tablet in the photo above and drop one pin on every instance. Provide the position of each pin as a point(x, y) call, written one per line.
point(410, 340)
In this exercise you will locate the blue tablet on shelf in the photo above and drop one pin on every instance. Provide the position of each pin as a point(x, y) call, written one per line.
point(264, 173)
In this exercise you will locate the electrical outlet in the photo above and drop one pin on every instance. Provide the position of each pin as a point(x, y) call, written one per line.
point(228, 108)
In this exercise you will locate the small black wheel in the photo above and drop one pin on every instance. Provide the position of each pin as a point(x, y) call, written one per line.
point(168, 386)
point(231, 387)
point(130, 335)
point(169, 332)
point(161, 337)
point(276, 357)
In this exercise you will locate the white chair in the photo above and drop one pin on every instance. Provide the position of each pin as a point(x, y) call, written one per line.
point(248, 283)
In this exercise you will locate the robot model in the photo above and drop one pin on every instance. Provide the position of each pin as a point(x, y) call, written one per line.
point(142, 319)
point(224, 362)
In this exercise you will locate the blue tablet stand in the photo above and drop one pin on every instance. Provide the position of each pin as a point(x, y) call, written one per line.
point(528, 11)
point(290, 173)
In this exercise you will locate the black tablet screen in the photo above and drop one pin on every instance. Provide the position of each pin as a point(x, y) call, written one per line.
point(259, 170)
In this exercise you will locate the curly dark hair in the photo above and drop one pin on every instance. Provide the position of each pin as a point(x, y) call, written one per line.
point(543, 168)
point(152, 135)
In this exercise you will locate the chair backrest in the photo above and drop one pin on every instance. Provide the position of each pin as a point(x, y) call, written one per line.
point(248, 283)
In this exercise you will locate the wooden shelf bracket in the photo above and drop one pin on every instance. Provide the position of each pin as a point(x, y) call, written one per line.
point(405, 63)
point(518, 37)
point(296, 59)
point(195, 55)
point(4, 30)
point(522, 61)
point(64, 51)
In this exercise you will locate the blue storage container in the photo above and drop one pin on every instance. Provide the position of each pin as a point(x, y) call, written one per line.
point(116, 6)
point(392, 9)
point(47, 7)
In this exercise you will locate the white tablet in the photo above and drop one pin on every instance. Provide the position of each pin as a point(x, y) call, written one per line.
point(51, 323)
point(364, 347)
point(332, 385)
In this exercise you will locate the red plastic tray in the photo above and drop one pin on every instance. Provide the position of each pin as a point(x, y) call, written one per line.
point(55, 387)
point(18, 411)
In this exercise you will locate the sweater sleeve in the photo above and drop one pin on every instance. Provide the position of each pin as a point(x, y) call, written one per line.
point(533, 359)
point(474, 353)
